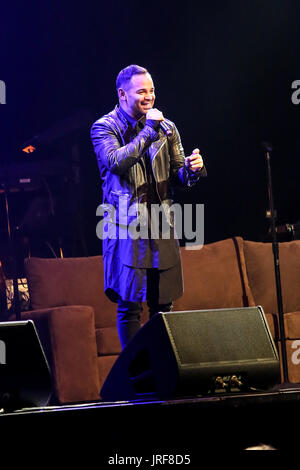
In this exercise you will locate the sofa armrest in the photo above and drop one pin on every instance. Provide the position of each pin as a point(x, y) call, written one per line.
point(68, 337)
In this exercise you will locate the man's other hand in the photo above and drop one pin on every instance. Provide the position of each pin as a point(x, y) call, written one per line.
point(194, 162)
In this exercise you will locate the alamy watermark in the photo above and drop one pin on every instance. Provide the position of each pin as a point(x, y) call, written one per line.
point(165, 221)
point(2, 352)
point(296, 94)
point(296, 354)
point(2, 92)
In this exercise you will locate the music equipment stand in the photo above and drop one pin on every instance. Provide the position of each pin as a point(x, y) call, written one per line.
point(268, 149)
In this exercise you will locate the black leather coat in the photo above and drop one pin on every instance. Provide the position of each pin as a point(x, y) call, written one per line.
point(119, 153)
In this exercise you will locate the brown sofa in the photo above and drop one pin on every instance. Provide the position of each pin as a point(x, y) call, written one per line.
point(77, 323)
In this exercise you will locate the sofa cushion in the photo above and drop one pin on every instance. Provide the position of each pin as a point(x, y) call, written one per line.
point(292, 325)
point(108, 341)
point(68, 338)
point(105, 364)
point(260, 268)
point(70, 281)
point(273, 325)
point(215, 277)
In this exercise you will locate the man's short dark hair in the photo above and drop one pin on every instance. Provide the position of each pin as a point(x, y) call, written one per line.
point(125, 75)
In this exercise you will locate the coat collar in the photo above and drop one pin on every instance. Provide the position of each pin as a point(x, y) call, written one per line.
point(125, 124)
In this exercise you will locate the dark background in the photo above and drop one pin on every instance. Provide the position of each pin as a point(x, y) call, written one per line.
point(223, 72)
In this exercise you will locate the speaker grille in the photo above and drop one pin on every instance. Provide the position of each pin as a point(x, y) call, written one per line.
point(223, 336)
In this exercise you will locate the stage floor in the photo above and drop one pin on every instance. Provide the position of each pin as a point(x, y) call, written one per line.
point(188, 428)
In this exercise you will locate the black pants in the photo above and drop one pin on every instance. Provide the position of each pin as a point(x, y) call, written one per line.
point(129, 313)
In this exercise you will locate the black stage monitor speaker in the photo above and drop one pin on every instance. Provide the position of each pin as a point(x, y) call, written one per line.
point(195, 353)
point(25, 379)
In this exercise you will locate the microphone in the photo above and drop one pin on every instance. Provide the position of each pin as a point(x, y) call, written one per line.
point(267, 146)
point(165, 128)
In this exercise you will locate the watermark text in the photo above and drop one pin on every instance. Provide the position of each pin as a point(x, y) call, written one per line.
point(296, 94)
point(159, 221)
point(2, 92)
point(2, 352)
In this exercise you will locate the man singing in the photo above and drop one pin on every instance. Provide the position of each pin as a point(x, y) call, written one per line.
point(140, 158)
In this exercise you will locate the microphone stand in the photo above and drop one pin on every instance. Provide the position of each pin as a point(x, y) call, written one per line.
point(268, 149)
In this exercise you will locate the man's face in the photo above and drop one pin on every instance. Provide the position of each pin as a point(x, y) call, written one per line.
point(138, 96)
